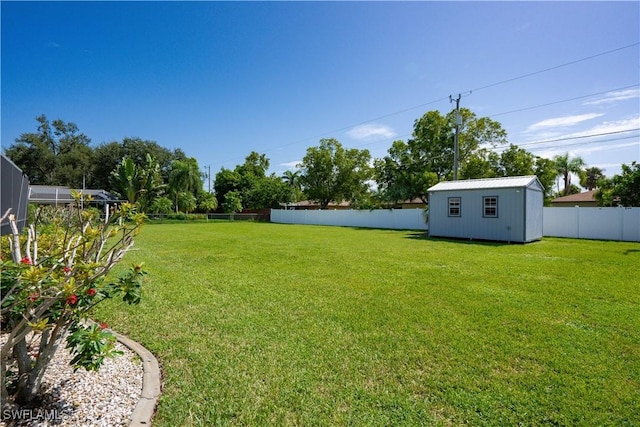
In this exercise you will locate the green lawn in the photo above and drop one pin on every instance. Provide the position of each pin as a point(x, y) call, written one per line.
point(268, 324)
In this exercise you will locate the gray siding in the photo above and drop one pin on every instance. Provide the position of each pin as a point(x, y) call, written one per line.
point(534, 209)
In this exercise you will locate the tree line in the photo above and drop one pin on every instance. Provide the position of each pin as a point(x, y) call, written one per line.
point(139, 171)
point(162, 181)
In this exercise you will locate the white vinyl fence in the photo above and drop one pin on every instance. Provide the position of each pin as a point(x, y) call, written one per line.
point(400, 219)
point(581, 223)
point(592, 223)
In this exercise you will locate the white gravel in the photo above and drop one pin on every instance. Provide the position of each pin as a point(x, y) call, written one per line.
point(103, 398)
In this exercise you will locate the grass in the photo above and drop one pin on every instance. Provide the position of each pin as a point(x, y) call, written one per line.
point(268, 324)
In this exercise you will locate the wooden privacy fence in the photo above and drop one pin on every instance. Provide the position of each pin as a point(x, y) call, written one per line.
point(592, 223)
point(399, 219)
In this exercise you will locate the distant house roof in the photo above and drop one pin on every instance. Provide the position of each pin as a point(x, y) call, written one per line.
point(586, 197)
point(49, 194)
point(310, 203)
point(473, 184)
point(416, 201)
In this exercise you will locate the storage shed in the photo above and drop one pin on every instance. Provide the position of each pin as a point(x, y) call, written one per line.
point(505, 209)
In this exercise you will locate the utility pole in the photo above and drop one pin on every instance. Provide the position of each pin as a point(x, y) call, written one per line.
point(455, 138)
point(209, 176)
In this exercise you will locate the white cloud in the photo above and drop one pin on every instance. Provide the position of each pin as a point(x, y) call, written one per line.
point(607, 127)
point(605, 144)
point(615, 96)
point(608, 148)
point(612, 126)
point(543, 136)
point(583, 151)
point(565, 121)
point(583, 143)
point(604, 166)
point(371, 132)
point(293, 164)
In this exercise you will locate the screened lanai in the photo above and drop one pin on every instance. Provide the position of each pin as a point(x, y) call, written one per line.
point(55, 195)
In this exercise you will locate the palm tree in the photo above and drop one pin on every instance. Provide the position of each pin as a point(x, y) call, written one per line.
point(292, 179)
point(566, 167)
point(151, 185)
point(590, 177)
point(184, 177)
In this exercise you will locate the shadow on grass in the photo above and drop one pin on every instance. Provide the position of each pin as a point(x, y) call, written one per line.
point(425, 236)
point(399, 230)
point(631, 251)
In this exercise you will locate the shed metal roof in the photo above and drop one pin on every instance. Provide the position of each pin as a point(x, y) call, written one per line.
point(473, 184)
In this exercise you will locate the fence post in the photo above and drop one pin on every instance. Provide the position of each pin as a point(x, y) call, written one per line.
point(621, 216)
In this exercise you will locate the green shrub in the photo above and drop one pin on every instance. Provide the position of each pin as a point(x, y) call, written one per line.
point(50, 277)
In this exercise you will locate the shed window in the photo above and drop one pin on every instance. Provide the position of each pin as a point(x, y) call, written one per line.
point(454, 206)
point(490, 206)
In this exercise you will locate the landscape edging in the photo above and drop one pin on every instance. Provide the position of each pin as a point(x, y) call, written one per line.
point(145, 409)
point(151, 383)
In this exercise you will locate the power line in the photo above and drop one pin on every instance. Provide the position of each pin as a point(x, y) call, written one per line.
point(361, 123)
point(349, 127)
point(527, 144)
point(568, 138)
point(563, 100)
point(492, 85)
point(471, 91)
point(506, 112)
point(504, 148)
point(507, 81)
point(554, 67)
point(587, 142)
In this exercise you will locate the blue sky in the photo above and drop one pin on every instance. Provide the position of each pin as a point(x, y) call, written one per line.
point(220, 79)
